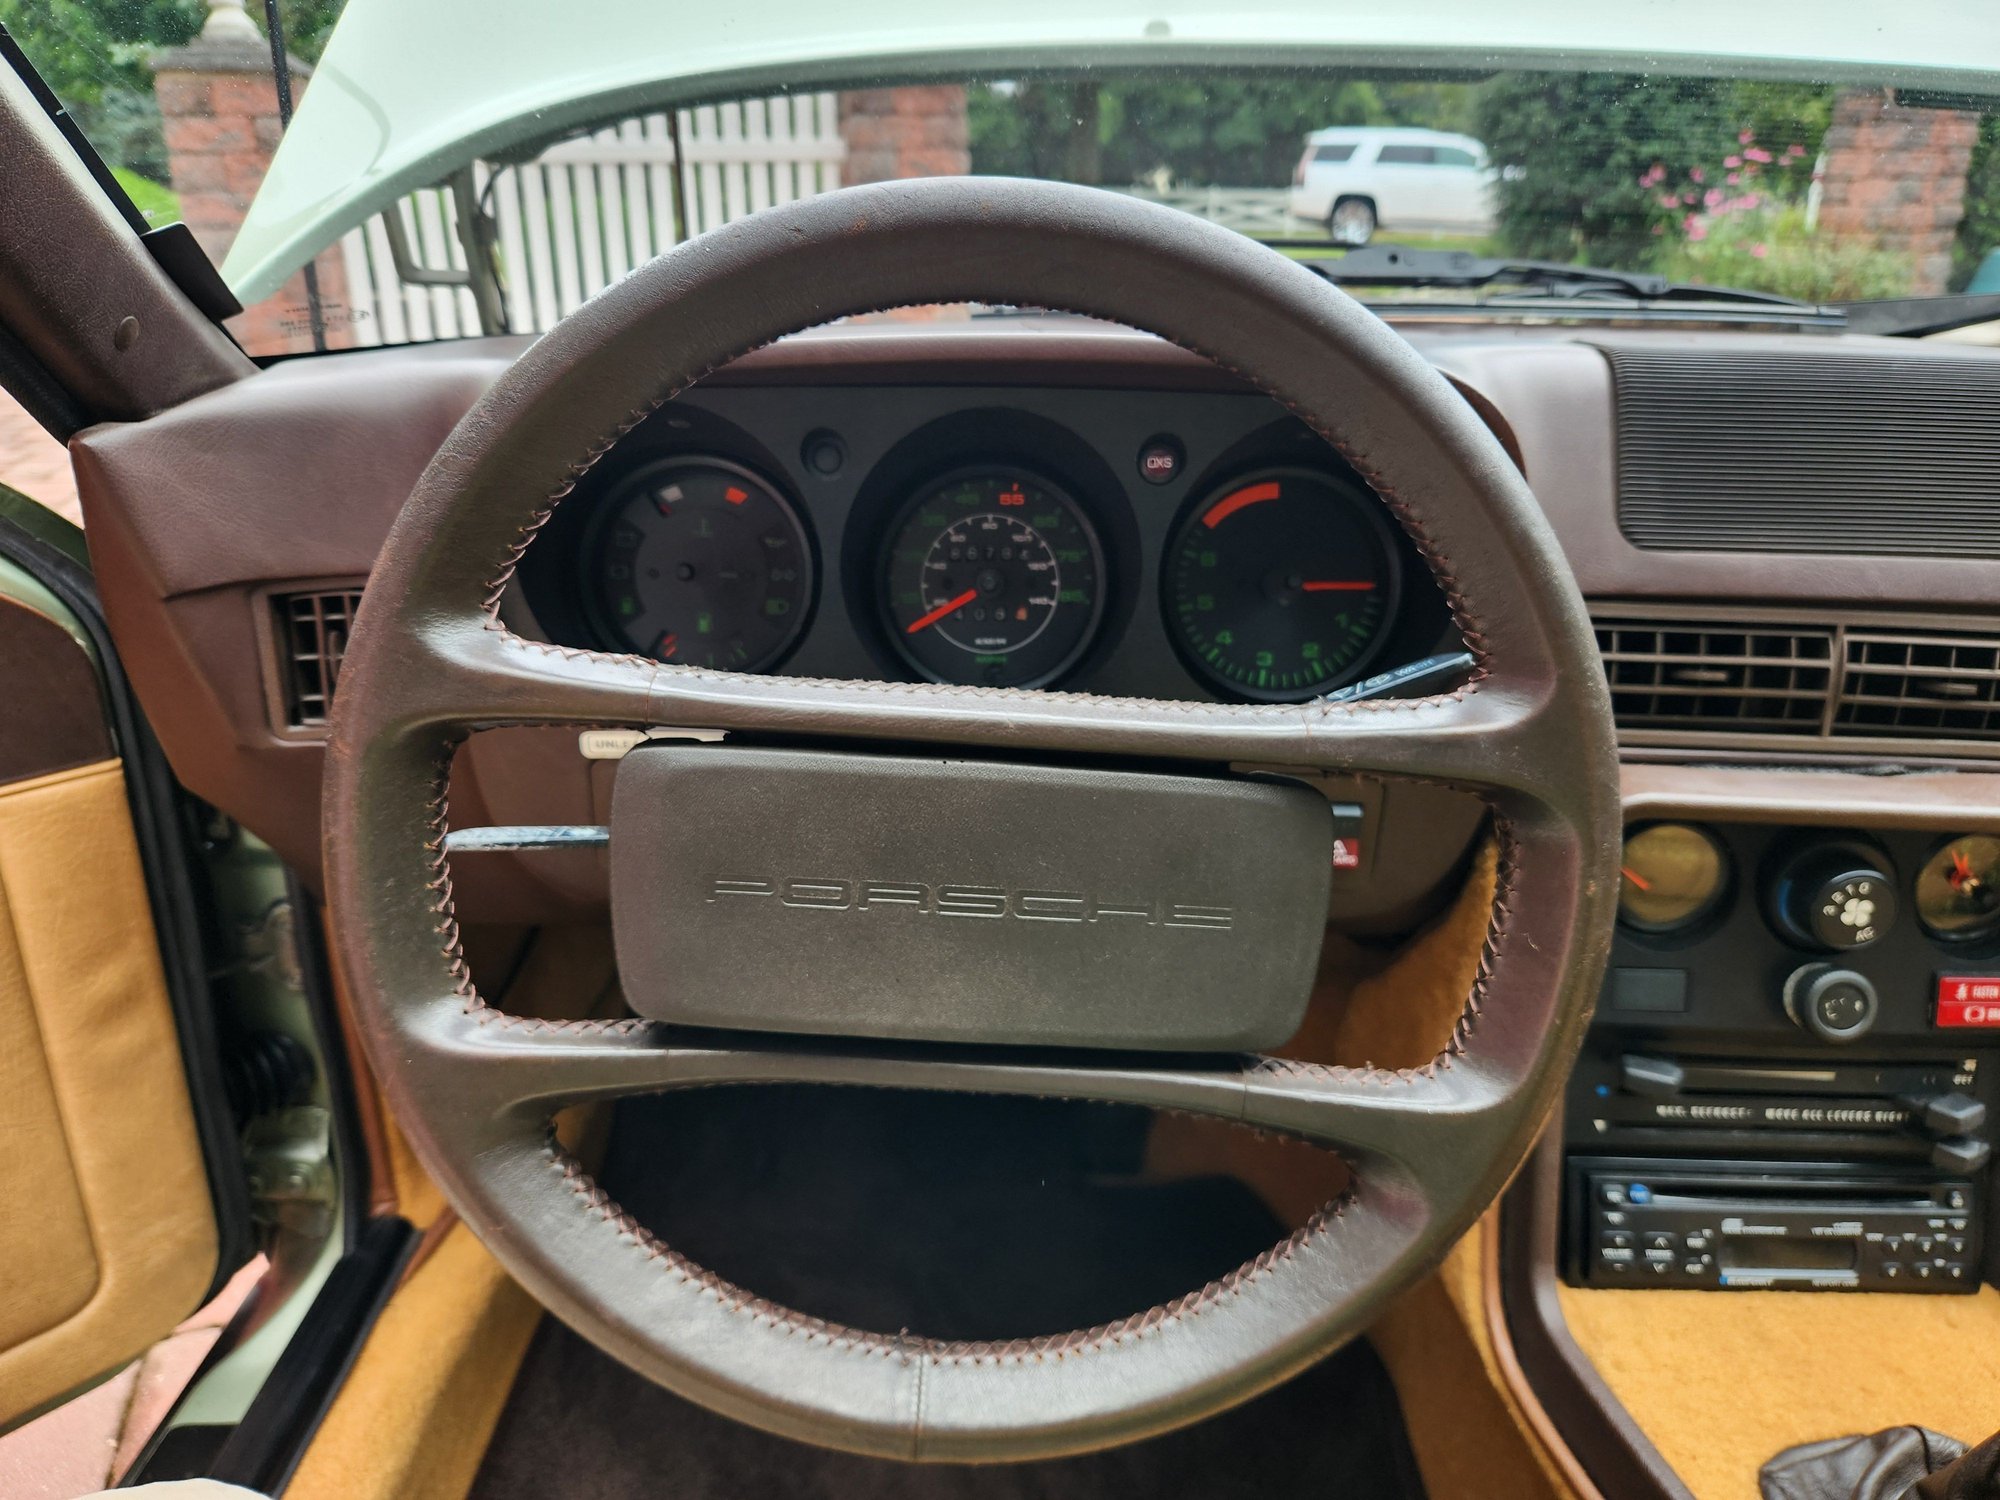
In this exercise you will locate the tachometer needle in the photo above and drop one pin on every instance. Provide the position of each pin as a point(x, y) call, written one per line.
point(924, 622)
point(1337, 586)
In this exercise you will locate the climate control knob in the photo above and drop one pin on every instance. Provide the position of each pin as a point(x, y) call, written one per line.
point(1835, 1005)
point(1834, 896)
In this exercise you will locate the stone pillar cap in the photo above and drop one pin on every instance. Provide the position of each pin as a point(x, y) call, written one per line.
point(229, 43)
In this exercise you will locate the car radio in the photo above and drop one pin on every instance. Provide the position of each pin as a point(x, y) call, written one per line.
point(1743, 1226)
point(1788, 1081)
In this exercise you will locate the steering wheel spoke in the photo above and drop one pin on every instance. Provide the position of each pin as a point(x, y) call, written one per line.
point(515, 1073)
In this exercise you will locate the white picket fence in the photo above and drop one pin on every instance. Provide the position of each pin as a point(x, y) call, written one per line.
point(1264, 213)
point(585, 212)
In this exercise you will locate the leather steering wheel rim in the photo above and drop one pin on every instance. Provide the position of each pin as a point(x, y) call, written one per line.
point(430, 662)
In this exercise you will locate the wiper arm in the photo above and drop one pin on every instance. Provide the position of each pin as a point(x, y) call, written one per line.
point(1913, 317)
point(1406, 265)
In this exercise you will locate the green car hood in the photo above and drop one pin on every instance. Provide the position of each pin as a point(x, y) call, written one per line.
point(410, 90)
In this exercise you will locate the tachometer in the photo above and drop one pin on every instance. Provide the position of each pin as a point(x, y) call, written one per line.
point(993, 577)
point(700, 561)
point(1280, 585)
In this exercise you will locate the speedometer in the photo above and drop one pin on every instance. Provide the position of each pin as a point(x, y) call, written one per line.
point(702, 562)
point(993, 577)
point(1280, 585)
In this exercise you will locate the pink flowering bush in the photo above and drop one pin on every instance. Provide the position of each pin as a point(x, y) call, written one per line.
point(1750, 231)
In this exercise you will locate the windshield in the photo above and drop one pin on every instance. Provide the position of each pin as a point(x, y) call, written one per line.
point(1823, 189)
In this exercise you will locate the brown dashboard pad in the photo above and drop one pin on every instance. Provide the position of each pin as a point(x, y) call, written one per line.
point(1720, 1382)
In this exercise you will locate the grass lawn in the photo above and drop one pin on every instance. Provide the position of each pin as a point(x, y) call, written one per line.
point(1417, 239)
point(160, 205)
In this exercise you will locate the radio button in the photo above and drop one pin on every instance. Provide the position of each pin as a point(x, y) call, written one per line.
point(1698, 1241)
point(1922, 1270)
point(1616, 1239)
point(1891, 1270)
point(1666, 1242)
point(1694, 1268)
point(1658, 1258)
point(1955, 1271)
point(1612, 1193)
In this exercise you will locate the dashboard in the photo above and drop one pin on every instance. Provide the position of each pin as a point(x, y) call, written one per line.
point(1788, 1081)
point(1137, 543)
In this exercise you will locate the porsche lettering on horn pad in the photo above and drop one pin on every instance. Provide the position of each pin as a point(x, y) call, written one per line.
point(964, 900)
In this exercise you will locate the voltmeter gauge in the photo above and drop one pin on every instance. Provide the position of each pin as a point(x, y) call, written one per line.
point(1958, 889)
point(1673, 875)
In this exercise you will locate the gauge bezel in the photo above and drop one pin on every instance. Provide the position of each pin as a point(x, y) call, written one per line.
point(1985, 933)
point(1701, 917)
point(606, 509)
point(1358, 497)
point(922, 491)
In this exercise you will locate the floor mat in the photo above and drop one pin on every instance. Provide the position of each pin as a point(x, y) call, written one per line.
point(957, 1218)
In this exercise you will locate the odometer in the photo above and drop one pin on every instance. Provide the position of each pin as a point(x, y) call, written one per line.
point(993, 577)
point(1280, 585)
point(700, 561)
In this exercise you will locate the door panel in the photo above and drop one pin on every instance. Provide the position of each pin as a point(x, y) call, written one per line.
point(108, 1224)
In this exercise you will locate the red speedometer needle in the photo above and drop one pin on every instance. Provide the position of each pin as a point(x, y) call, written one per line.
point(1337, 585)
point(924, 622)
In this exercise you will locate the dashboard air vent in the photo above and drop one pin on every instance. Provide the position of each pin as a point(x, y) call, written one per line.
point(1829, 449)
point(1695, 675)
point(1920, 684)
point(312, 637)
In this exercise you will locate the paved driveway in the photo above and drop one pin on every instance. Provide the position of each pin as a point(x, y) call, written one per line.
point(33, 462)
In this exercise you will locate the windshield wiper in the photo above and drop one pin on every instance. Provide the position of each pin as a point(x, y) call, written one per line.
point(1406, 265)
point(1913, 317)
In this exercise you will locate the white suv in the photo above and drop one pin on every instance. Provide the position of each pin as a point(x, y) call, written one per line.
point(1355, 179)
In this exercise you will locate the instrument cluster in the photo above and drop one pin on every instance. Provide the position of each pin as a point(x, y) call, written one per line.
point(994, 548)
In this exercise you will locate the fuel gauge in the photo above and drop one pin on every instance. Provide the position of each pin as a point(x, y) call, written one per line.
point(1958, 889)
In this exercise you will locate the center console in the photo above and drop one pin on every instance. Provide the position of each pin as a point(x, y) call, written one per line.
point(1790, 1077)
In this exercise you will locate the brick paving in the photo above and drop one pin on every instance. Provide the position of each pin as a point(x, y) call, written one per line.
point(33, 462)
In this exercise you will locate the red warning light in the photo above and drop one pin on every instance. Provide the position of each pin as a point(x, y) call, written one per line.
point(735, 496)
point(1013, 496)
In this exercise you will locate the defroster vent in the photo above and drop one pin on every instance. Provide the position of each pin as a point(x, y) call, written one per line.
point(1821, 447)
point(312, 638)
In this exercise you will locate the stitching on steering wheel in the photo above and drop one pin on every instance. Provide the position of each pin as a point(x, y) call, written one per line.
point(602, 1206)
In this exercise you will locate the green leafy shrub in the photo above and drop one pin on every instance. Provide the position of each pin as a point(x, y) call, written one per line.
point(1769, 249)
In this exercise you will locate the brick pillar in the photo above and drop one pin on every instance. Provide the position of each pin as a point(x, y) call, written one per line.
point(1896, 176)
point(907, 132)
point(219, 106)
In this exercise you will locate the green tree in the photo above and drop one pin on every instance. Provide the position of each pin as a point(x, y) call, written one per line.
point(1979, 231)
point(1213, 129)
point(1575, 148)
point(96, 55)
point(1599, 165)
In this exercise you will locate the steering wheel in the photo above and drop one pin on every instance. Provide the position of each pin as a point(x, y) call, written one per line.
point(1429, 1149)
